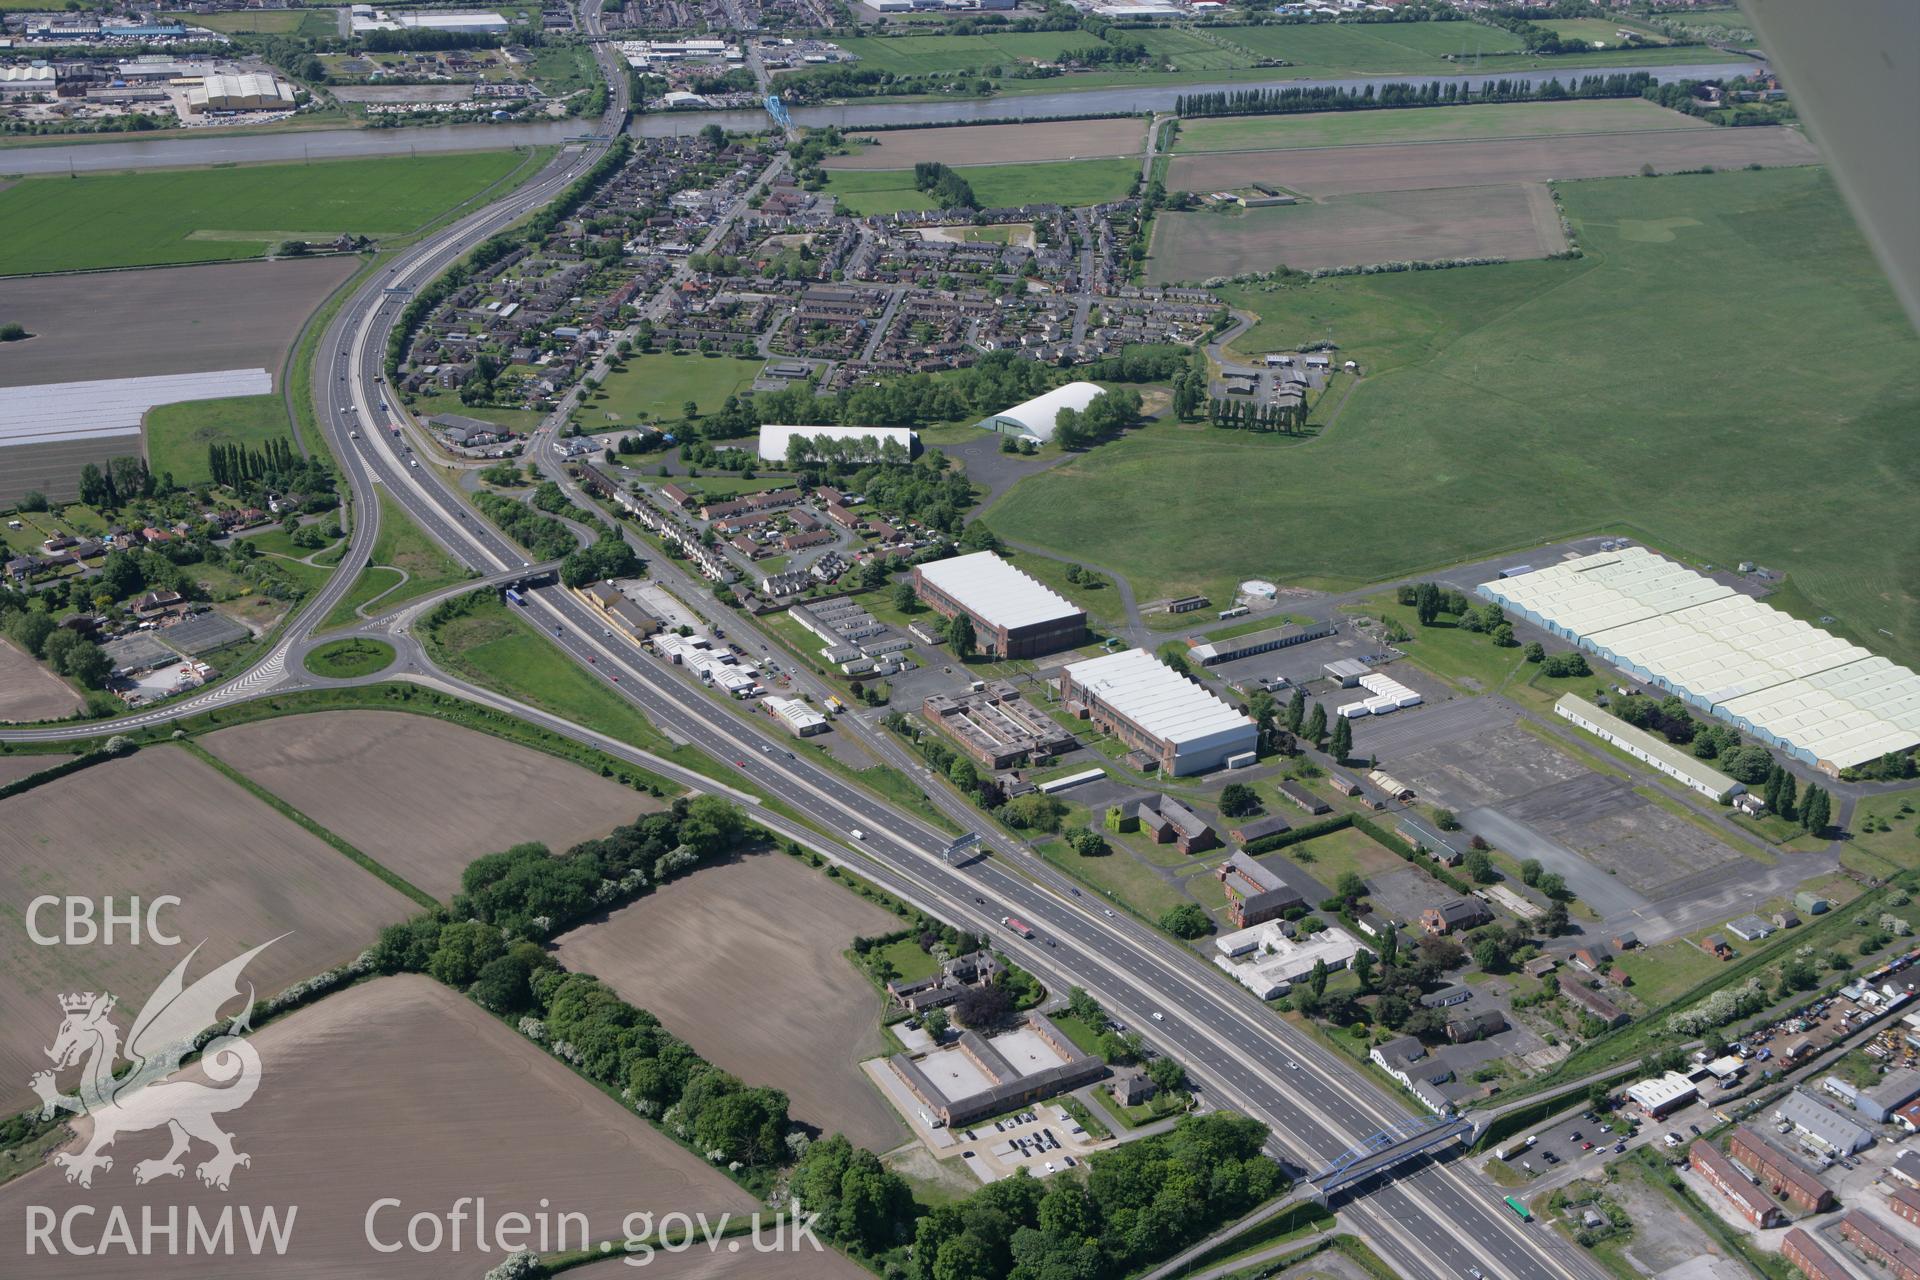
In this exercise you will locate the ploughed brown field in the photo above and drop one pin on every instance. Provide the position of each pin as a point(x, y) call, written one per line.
point(125, 324)
point(398, 1089)
point(28, 691)
point(422, 797)
point(160, 822)
point(743, 962)
point(1513, 221)
point(789, 1262)
point(996, 144)
point(14, 768)
point(1333, 171)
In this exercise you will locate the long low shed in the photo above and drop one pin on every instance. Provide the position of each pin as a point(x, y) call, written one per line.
point(1821, 699)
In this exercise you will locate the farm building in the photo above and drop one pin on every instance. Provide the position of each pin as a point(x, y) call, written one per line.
point(252, 91)
point(1682, 766)
point(1035, 419)
point(1823, 700)
point(1013, 615)
point(868, 442)
point(1150, 706)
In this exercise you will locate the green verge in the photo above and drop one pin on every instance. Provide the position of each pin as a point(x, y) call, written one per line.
point(406, 564)
point(365, 861)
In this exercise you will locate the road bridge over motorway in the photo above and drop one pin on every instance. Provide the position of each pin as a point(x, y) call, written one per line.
point(1388, 1149)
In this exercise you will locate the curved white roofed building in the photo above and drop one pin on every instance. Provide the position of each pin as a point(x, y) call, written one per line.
point(1150, 706)
point(1036, 417)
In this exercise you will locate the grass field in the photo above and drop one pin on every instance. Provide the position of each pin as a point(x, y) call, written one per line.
point(1070, 182)
point(345, 659)
point(1427, 124)
point(178, 434)
point(657, 386)
point(1368, 48)
point(311, 23)
point(1506, 405)
point(1596, 31)
point(204, 215)
point(405, 562)
point(927, 55)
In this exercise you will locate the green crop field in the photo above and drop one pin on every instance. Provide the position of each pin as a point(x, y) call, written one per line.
point(178, 434)
point(927, 55)
point(1069, 182)
point(659, 386)
point(1188, 51)
point(207, 215)
point(1502, 406)
point(1428, 124)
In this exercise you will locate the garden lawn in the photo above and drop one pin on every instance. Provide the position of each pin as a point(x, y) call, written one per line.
point(1505, 406)
point(1067, 182)
point(178, 434)
point(207, 215)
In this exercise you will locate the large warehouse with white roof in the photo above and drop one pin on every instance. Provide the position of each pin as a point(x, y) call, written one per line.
point(1150, 706)
point(1035, 419)
point(1821, 699)
point(1013, 615)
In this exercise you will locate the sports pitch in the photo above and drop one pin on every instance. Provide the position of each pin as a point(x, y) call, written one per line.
point(1545, 398)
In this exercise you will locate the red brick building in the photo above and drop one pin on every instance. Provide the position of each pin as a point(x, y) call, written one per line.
point(1781, 1173)
point(1808, 1254)
point(1875, 1239)
point(1748, 1199)
point(1013, 615)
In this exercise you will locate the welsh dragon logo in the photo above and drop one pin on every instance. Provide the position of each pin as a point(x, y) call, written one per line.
point(143, 1098)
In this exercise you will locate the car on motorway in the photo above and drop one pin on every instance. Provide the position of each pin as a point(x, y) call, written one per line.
point(1159, 1016)
point(857, 833)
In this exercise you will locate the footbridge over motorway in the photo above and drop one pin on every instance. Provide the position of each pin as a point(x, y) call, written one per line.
point(1408, 1140)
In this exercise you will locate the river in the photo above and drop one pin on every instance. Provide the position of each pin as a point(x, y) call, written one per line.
point(326, 144)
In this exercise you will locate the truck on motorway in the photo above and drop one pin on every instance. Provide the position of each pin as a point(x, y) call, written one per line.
point(514, 597)
point(1520, 1210)
point(1018, 925)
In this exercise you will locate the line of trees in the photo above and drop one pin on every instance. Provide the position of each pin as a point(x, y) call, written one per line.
point(1244, 415)
point(123, 480)
point(235, 464)
point(1400, 93)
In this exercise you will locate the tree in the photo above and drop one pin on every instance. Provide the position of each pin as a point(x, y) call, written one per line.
point(1088, 843)
point(904, 599)
point(1342, 738)
point(1816, 811)
point(1317, 979)
point(1530, 872)
point(983, 1008)
point(960, 636)
point(1317, 724)
point(1390, 947)
point(1296, 710)
point(935, 1022)
point(1188, 920)
point(1480, 866)
point(1556, 921)
point(1536, 652)
point(89, 664)
point(1168, 1074)
point(1237, 800)
point(1362, 967)
point(1082, 1005)
point(1350, 887)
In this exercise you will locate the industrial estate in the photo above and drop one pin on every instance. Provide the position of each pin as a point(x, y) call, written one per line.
point(958, 640)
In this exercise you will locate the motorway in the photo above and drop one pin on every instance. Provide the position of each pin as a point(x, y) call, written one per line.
point(1433, 1220)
